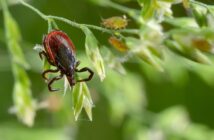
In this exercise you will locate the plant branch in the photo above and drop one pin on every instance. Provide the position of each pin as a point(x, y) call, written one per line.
point(34, 9)
point(75, 24)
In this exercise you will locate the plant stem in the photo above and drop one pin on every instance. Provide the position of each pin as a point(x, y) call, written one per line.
point(34, 9)
point(51, 18)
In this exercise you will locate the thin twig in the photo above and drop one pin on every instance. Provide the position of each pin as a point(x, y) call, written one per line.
point(75, 24)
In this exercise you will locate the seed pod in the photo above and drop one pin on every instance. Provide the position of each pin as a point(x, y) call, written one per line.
point(115, 22)
point(118, 44)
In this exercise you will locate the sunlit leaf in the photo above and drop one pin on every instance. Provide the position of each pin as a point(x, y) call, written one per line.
point(87, 103)
point(77, 100)
point(92, 51)
point(82, 99)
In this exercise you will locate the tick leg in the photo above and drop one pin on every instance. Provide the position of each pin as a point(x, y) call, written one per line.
point(77, 63)
point(43, 53)
point(91, 73)
point(48, 71)
point(51, 82)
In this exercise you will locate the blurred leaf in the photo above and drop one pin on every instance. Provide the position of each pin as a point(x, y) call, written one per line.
point(92, 51)
point(112, 61)
point(184, 22)
point(12, 2)
point(197, 132)
point(141, 49)
point(211, 9)
point(157, 9)
point(149, 7)
point(175, 69)
point(23, 102)
point(186, 4)
point(123, 97)
point(22, 133)
point(199, 12)
point(13, 37)
point(185, 40)
point(173, 120)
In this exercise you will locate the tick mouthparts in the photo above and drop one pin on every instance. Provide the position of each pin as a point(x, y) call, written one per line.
point(71, 80)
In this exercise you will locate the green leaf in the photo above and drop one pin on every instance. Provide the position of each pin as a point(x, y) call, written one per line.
point(77, 100)
point(184, 22)
point(92, 51)
point(77, 90)
point(82, 98)
point(86, 92)
point(87, 103)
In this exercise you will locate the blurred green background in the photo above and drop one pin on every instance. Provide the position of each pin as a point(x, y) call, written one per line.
point(144, 104)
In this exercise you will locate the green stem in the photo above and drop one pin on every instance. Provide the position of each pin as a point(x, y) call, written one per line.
point(49, 26)
point(51, 18)
point(34, 9)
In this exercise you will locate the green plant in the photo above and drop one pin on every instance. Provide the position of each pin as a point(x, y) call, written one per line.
point(188, 38)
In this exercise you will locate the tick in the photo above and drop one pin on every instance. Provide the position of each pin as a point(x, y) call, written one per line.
point(60, 51)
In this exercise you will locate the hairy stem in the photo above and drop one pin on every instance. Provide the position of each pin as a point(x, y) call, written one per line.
point(34, 9)
point(51, 18)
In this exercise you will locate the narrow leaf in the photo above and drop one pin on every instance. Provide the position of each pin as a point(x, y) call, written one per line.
point(92, 51)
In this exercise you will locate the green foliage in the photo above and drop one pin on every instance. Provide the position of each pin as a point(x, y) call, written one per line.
point(24, 106)
point(92, 50)
point(82, 99)
point(160, 46)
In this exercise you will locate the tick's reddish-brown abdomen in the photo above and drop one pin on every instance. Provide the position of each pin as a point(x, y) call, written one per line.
point(53, 43)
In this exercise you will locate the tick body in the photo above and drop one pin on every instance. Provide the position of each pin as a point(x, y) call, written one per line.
point(59, 50)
